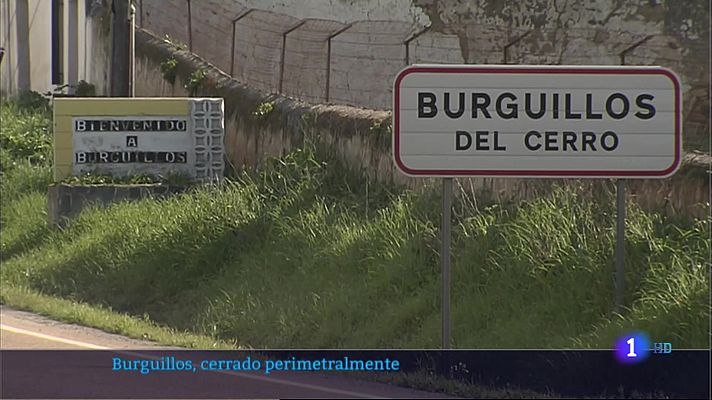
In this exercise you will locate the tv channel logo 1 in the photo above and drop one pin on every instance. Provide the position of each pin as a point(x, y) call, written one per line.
point(632, 348)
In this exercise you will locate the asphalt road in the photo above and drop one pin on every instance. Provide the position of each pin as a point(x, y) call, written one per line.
point(27, 331)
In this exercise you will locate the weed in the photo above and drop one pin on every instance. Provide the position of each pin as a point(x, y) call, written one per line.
point(33, 102)
point(174, 42)
point(85, 89)
point(195, 80)
point(264, 110)
point(301, 255)
point(136, 179)
point(381, 127)
point(286, 258)
point(169, 68)
point(26, 132)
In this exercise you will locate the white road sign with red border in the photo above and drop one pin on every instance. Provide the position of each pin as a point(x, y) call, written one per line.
point(537, 121)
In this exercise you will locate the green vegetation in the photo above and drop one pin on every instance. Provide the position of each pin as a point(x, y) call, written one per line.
point(138, 179)
point(169, 68)
point(298, 255)
point(380, 128)
point(264, 110)
point(31, 102)
point(85, 89)
point(25, 136)
point(105, 319)
point(25, 158)
point(432, 382)
point(195, 79)
point(178, 45)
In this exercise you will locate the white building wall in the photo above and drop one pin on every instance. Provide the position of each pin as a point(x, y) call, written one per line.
point(8, 66)
point(93, 46)
point(40, 24)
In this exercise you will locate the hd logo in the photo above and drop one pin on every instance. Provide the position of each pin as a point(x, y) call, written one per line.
point(662, 348)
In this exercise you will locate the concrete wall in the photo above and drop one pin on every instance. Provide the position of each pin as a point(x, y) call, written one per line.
point(220, 13)
point(282, 44)
point(358, 65)
point(364, 61)
point(306, 60)
point(168, 18)
point(97, 48)
point(668, 33)
point(65, 202)
point(361, 138)
point(435, 48)
point(344, 10)
point(258, 48)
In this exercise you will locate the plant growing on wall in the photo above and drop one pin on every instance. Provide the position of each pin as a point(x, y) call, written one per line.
point(195, 79)
point(381, 132)
point(264, 110)
point(85, 89)
point(175, 43)
point(380, 127)
point(32, 100)
point(169, 67)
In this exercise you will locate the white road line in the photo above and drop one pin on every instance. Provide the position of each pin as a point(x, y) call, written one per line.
point(242, 375)
point(51, 338)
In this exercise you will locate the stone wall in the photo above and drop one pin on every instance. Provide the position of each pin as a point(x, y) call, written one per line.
point(361, 138)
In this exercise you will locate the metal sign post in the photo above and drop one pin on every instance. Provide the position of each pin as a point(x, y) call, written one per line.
point(620, 244)
point(445, 231)
point(535, 121)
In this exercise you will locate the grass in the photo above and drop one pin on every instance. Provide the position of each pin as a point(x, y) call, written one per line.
point(292, 258)
point(432, 382)
point(302, 255)
point(105, 319)
point(25, 159)
point(25, 134)
point(137, 179)
point(298, 255)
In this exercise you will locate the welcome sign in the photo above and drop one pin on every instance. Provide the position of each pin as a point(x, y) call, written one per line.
point(163, 140)
point(129, 136)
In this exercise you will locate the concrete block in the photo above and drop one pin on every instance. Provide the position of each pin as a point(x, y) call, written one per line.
point(67, 201)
